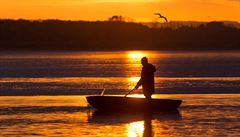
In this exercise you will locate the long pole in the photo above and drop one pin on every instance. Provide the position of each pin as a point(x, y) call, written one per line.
point(129, 92)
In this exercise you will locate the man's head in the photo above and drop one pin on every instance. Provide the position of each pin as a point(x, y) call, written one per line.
point(144, 61)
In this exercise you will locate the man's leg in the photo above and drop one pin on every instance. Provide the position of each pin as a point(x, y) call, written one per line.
point(148, 95)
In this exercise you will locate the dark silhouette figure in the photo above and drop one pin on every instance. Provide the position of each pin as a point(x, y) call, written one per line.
point(160, 16)
point(147, 78)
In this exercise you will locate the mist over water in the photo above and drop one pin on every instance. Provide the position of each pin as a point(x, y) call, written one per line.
point(53, 73)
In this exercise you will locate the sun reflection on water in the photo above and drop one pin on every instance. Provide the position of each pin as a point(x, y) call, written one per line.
point(132, 82)
point(136, 55)
point(133, 61)
point(135, 129)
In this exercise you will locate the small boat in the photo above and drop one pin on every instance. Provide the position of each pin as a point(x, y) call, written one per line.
point(118, 103)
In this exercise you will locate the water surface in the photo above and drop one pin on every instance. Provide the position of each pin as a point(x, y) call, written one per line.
point(78, 73)
point(200, 115)
point(207, 82)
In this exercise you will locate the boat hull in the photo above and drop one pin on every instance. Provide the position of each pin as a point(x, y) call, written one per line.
point(116, 103)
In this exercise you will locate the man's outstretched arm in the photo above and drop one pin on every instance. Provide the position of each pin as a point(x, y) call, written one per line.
point(138, 84)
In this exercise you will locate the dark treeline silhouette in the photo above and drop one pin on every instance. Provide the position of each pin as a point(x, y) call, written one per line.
point(113, 35)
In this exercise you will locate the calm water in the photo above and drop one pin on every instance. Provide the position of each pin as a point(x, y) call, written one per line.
point(186, 75)
point(90, 72)
point(211, 115)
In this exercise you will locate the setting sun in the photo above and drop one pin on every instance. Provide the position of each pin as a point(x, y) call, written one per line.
point(136, 55)
point(133, 68)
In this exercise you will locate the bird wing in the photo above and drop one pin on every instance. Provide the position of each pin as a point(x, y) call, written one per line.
point(165, 19)
point(158, 14)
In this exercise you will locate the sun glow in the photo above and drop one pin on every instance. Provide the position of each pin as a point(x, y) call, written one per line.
point(135, 129)
point(133, 79)
point(132, 82)
point(136, 55)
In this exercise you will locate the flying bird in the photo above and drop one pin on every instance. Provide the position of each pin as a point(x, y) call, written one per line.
point(160, 16)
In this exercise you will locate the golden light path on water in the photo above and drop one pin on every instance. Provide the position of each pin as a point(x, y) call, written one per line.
point(132, 81)
point(135, 129)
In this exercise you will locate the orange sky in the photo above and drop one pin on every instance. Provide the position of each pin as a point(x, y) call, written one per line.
point(139, 10)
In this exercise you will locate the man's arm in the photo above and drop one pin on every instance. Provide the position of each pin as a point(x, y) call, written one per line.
point(138, 84)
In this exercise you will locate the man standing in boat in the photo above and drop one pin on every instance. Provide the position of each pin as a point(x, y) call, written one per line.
point(147, 78)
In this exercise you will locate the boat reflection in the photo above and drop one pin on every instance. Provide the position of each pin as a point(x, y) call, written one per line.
point(137, 124)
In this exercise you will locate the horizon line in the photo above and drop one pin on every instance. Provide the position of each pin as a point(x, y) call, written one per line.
point(76, 20)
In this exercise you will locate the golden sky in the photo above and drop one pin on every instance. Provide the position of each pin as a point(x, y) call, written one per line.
point(139, 10)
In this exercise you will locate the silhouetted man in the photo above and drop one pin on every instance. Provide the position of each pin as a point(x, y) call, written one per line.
point(147, 78)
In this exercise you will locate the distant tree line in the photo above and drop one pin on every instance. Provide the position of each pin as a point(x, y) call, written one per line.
point(113, 35)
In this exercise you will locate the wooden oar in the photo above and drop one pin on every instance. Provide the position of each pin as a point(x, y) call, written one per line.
point(129, 92)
